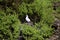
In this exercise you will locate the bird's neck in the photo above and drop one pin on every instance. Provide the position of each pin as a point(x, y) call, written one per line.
point(27, 16)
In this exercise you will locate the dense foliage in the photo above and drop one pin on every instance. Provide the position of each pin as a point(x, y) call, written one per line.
point(9, 28)
point(12, 15)
point(57, 6)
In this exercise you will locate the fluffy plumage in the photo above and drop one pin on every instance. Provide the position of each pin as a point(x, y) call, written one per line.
point(27, 18)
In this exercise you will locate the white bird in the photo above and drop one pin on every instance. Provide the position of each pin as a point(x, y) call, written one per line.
point(27, 18)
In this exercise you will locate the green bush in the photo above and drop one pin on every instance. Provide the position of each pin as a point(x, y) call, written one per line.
point(46, 31)
point(10, 19)
point(57, 7)
point(35, 33)
point(57, 12)
point(9, 26)
point(30, 33)
point(40, 7)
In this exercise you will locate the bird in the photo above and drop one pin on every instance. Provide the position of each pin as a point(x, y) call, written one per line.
point(27, 19)
point(29, 22)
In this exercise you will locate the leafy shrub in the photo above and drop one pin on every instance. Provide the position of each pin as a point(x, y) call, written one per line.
point(57, 7)
point(35, 33)
point(9, 26)
point(30, 33)
point(10, 23)
point(40, 7)
point(46, 31)
point(57, 12)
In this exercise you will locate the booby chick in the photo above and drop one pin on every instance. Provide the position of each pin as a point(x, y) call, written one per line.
point(27, 19)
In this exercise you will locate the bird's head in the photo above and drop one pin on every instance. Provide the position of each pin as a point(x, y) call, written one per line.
point(26, 15)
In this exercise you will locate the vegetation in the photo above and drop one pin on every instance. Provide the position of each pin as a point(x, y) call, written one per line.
point(57, 11)
point(9, 27)
point(12, 19)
